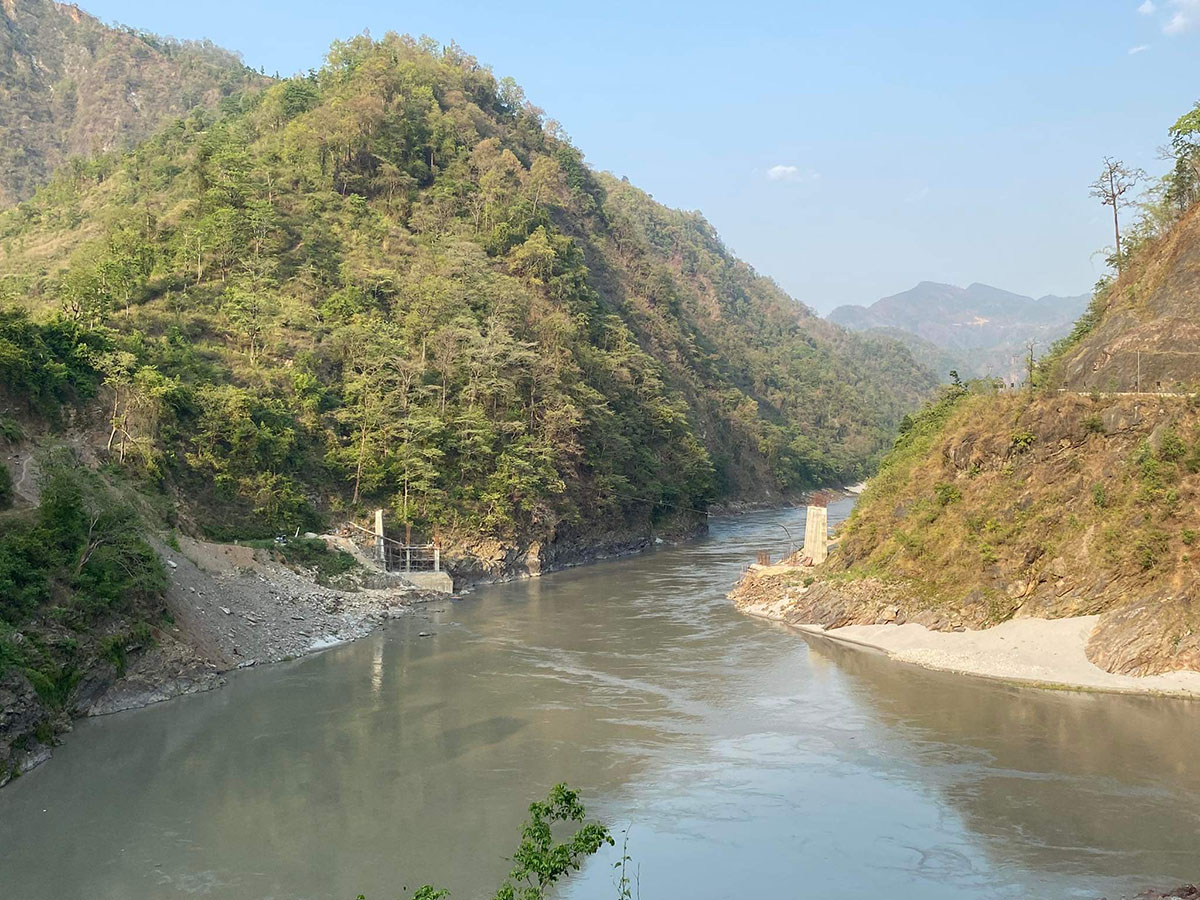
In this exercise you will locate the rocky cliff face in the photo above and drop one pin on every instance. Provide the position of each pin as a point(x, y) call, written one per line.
point(1148, 332)
point(24, 735)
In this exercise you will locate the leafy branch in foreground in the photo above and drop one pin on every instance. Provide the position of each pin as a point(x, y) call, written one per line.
point(539, 862)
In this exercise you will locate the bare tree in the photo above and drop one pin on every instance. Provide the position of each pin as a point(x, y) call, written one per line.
point(1115, 182)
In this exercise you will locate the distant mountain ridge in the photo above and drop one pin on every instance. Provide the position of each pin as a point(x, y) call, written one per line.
point(962, 322)
point(72, 86)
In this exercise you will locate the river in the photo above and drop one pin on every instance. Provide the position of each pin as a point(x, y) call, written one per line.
point(746, 761)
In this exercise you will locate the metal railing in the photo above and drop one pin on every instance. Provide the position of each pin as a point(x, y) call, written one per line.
point(411, 557)
point(395, 556)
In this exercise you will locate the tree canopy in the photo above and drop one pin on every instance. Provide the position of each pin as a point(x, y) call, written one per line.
point(394, 281)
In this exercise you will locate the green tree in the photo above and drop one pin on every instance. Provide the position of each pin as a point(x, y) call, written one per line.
point(534, 258)
point(1185, 150)
point(374, 380)
point(251, 309)
point(540, 861)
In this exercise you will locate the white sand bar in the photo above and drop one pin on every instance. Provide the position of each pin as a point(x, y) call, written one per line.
point(1044, 652)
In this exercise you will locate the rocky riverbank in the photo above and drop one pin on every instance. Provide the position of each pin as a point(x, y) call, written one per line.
point(999, 506)
point(486, 560)
point(230, 607)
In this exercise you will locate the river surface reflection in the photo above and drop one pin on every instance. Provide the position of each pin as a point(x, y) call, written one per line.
point(747, 760)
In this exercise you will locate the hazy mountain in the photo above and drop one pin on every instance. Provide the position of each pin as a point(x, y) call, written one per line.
point(936, 359)
point(983, 328)
point(72, 86)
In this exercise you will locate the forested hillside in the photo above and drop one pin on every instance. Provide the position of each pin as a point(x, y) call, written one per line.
point(71, 86)
point(394, 282)
point(1077, 496)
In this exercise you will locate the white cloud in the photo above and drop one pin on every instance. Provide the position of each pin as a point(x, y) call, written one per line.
point(790, 173)
point(1185, 18)
point(1148, 8)
point(1140, 48)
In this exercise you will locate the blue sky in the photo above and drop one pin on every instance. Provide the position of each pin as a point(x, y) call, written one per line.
point(848, 150)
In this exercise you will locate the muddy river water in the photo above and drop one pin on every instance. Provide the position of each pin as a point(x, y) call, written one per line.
point(745, 760)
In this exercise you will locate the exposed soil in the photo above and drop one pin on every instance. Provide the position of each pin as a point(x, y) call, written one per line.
point(1149, 338)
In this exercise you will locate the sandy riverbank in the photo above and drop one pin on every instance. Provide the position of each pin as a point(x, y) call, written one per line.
point(1046, 653)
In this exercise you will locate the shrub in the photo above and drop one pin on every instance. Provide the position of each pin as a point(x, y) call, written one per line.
point(308, 553)
point(1188, 536)
point(541, 861)
point(1022, 441)
point(47, 364)
point(1093, 424)
point(315, 553)
point(1172, 448)
point(6, 487)
point(1100, 496)
point(1150, 548)
point(83, 549)
point(947, 493)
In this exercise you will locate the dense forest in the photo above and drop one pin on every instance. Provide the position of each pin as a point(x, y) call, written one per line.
point(393, 281)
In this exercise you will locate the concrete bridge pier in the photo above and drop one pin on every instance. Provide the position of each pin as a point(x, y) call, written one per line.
point(816, 534)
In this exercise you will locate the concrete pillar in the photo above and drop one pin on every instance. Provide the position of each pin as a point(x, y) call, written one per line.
point(816, 534)
point(379, 537)
point(437, 559)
